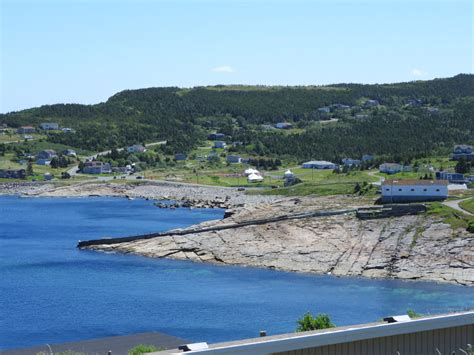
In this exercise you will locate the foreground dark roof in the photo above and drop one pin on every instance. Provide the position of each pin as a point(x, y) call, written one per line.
point(119, 345)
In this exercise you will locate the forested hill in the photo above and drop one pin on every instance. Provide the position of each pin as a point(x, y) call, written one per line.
point(412, 119)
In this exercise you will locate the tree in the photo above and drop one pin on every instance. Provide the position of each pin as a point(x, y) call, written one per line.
point(29, 169)
point(462, 166)
point(308, 322)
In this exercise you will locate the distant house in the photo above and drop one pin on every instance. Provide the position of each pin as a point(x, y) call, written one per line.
point(234, 159)
point(371, 103)
point(216, 136)
point(325, 109)
point(351, 162)
point(367, 157)
point(96, 167)
point(462, 151)
point(28, 137)
point(432, 110)
point(68, 130)
point(12, 174)
point(454, 178)
point(219, 144)
point(43, 161)
point(180, 157)
point(48, 176)
point(237, 143)
point(340, 107)
point(267, 127)
point(49, 126)
point(361, 116)
point(213, 156)
point(283, 125)
point(319, 164)
point(136, 148)
point(26, 130)
point(390, 168)
point(414, 190)
point(70, 152)
point(47, 154)
point(414, 102)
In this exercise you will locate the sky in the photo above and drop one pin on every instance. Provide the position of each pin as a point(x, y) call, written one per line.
point(84, 51)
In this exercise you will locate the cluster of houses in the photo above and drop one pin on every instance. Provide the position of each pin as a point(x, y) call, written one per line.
point(349, 162)
point(45, 126)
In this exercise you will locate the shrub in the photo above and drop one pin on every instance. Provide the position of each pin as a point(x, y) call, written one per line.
point(308, 322)
point(470, 226)
point(142, 349)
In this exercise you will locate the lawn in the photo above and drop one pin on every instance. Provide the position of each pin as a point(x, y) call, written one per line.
point(450, 216)
point(468, 205)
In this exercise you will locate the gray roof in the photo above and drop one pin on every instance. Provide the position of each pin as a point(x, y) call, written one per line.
point(119, 345)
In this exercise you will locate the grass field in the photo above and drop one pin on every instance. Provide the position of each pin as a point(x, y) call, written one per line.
point(450, 216)
point(468, 205)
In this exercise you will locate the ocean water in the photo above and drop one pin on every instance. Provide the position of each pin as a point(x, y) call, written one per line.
point(51, 292)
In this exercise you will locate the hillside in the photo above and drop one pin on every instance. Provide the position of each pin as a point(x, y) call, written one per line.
point(396, 128)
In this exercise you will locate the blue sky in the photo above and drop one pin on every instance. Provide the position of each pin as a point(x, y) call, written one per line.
point(84, 51)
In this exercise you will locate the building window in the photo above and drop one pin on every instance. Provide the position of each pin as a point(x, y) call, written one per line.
point(425, 189)
point(399, 189)
point(437, 190)
point(387, 189)
point(412, 190)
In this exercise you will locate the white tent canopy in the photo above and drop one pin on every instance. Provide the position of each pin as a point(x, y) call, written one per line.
point(251, 171)
point(288, 173)
point(254, 178)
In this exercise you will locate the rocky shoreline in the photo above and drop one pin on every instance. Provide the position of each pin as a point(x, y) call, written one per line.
point(182, 195)
point(411, 247)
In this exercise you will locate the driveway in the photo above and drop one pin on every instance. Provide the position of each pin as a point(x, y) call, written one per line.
point(454, 204)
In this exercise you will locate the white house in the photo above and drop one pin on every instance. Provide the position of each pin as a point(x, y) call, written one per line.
point(254, 178)
point(283, 125)
point(414, 190)
point(49, 126)
point(390, 168)
point(319, 164)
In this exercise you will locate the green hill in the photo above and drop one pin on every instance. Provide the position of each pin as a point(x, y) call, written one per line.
point(185, 116)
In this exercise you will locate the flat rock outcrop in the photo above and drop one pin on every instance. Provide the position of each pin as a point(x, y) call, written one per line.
point(410, 247)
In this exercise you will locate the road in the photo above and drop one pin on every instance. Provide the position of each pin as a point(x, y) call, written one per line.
point(454, 204)
point(73, 170)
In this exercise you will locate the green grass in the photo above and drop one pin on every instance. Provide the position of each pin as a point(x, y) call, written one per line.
point(467, 205)
point(450, 216)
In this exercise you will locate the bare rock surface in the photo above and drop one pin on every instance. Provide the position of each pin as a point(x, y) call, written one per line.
point(411, 247)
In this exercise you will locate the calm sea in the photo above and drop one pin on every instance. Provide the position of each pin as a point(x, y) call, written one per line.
point(50, 292)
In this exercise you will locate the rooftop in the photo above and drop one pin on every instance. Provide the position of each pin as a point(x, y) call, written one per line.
point(338, 335)
point(415, 182)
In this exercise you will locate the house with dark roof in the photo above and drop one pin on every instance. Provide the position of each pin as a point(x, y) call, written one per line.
point(462, 151)
point(47, 154)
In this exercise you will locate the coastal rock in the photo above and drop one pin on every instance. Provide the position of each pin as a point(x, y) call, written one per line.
point(409, 247)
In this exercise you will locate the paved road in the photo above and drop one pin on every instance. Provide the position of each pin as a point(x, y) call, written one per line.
point(454, 204)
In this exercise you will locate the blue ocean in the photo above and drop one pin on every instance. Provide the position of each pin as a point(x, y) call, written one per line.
point(51, 292)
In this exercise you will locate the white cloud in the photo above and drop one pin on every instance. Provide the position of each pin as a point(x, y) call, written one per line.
point(223, 69)
point(417, 72)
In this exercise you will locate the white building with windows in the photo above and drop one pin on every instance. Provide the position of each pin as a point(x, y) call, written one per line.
point(414, 190)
